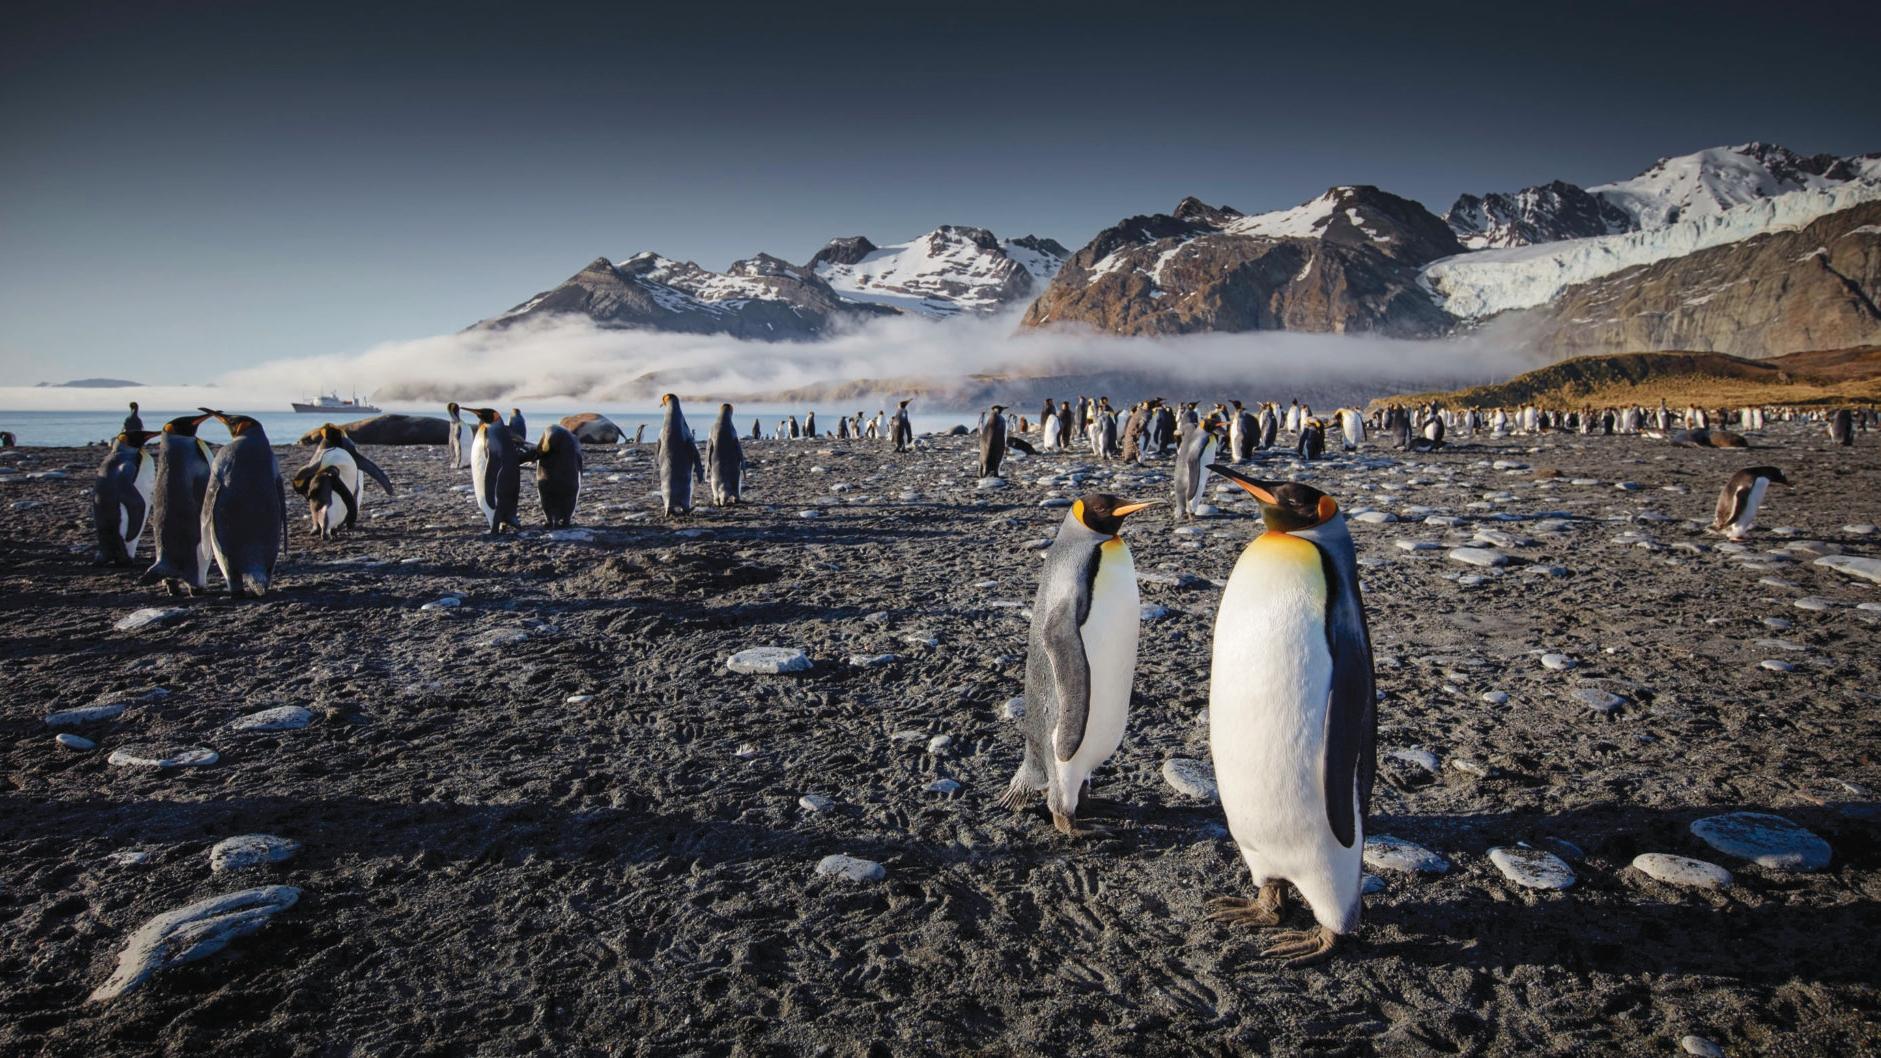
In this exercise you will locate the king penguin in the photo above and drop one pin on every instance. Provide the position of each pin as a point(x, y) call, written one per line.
point(519, 426)
point(1292, 720)
point(1742, 495)
point(330, 504)
point(335, 449)
point(992, 441)
point(121, 496)
point(134, 422)
point(245, 509)
point(1080, 658)
point(495, 470)
point(678, 458)
point(455, 440)
point(557, 456)
point(725, 459)
point(1199, 446)
point(1842, 427)
point(182, 561)
point(900, 431)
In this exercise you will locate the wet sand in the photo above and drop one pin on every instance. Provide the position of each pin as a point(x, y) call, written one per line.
point(488, 867)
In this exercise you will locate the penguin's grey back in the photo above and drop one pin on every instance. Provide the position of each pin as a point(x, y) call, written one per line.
point(245, 512)
point(725, 459)
point(176, 507)
point(678, 457)
point(116, 502)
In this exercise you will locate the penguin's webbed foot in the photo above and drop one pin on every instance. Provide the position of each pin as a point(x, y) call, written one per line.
point(1262, 910)
point(1071, 828)
point(1302, 947)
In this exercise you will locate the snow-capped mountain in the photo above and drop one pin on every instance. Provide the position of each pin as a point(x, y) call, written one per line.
point(947, 271)
point(1688, 187)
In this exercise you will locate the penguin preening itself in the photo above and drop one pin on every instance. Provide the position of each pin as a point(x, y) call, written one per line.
point(335, 449)
point(678, 458)
point(1292, 722)
point(245, 509)
point(182, 558)
point(1742, 495)
point(121, 496)
point(495, 470)
point(725, 459)
point(557, 456)
point(1080, 657)
point(330, 504)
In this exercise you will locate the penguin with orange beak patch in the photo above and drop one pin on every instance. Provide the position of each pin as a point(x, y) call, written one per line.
point(1080, 658)
point(1292, 721)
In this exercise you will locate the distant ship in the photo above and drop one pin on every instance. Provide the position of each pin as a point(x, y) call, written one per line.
point(331, 402)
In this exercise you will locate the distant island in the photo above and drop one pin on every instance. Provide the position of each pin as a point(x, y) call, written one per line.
point(89, 383)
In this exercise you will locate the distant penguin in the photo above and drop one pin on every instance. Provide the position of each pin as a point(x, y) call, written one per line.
point(182, 559)
point(1199, 449)
point(495, 471)
point(335, 449)
point(1048, 430)
point(900, 430)
point(121, 496)
point(1351, 428)
point(678, 458)
point(993, 441)
point(1742, 495)
point(330, 504)
point(457, 448)
point(518, 427)
point(757, 430)
point(809, 424)
point(640, 432)
point(793, 430)
point(1312, 443)
point(1243, 434)
point(1433, 430)
point(8, 439)
point(557, 456)
point(1106, 444)
point(1291, 717)
point(842, 428)
point(133, 423)
point(1398, 423)
point(725, 460)
point(1080, 658)
point(245, 510)
point(1269, 426)
point(1163, 429)
point(1842, 427)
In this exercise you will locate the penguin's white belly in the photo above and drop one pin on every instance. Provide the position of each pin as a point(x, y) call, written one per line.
point(479, 473)
point(1269, 684)
point(1109, 633)
point(350, 474)
point(1742, 526)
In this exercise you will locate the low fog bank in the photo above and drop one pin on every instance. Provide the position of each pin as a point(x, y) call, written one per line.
point(961, 363)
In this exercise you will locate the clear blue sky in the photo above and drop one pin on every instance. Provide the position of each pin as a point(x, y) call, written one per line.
point(185, 191)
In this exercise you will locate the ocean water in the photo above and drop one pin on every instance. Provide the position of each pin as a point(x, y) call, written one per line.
point(72, 428)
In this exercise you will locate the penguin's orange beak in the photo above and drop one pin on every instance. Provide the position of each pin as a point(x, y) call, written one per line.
point(1260, 490)
point(1131, 508)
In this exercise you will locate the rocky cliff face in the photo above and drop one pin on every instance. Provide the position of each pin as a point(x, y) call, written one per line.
point(1534, 214)
point(1344, 262)
point(950, 270)
point(1781, 292)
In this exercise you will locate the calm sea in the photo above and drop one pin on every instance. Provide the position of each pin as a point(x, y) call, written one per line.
point(71, 428)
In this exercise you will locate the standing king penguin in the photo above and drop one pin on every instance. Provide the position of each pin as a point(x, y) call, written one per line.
point(900, 430)
point(121, 496)
point(456, 439)
point(245, 510)
point(182, 561)
point(557, 456)
point(1080, 658)
point(725, 459)
point(1199, 448)
point(992, 441)
point(1292, 722)
point(134, 423)
point(678, 458)
point(495, 470)
point(1740, 498)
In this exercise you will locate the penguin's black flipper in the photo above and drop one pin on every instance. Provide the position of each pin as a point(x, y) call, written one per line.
point(304, 477)
point(352, 505)
point(1071, 679)
point(1351, 709)
point(372, 469)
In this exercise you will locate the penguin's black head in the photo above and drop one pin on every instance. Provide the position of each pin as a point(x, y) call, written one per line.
point(331, 435)
point(1773, 475)
point(726, 409)
point(451, 407)
point(515, 411)
point(484, 415)
point(668, 398)
point(133, 405)
point(136, 438)
point(1286, 506)
point(997, 408)
point(185, 426)
point(1101, 512)
point(237, 424)
point(903, 404)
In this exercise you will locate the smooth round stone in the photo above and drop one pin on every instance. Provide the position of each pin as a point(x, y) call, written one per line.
point(1603, 702)
point(870, 661)
point(250, 850)
point(1416, 545)
point(74, 742)
point(1479, 556)
point(768, 661)
point(817, 803)
point(1682, 870)
point(1766, 840)
point(1860, 529)
point(1813, 602)
point(1776, 665)
point(990, 483)
point(578, 699)
point(1700, 1047)
point(851, 867)
point(1781, 624)
point(1055, 501)
point(280, 718)
point(939, 743)
point(448, 602)
point(1532, 868)
point(1375, 517)
point(150, 615)
point(944, 787)
point(142, 757)
point(1558, 662)
point(1421, 758)
point(1192, 778)
point(1469, 767)
point(1014, 709)
point(810, 513)
point(87, 714)
point(1153, 612)
point(1370, 884)
point(1496, 697)
point(1854, 565)
point(1470, 580)
point(1386, 853)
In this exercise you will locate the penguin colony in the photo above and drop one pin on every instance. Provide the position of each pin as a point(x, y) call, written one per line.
point(1292, 699)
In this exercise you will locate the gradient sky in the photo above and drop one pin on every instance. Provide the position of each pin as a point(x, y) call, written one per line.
point(185, 191)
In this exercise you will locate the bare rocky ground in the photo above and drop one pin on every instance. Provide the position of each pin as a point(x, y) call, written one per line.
point(490, 864)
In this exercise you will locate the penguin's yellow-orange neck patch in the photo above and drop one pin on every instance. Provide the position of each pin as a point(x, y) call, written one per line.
point(1278, 545)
